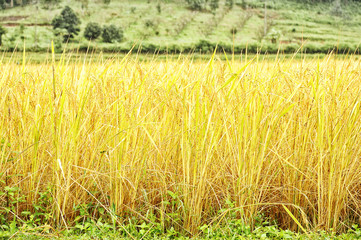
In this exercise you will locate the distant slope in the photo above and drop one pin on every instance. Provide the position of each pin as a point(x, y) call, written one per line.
point(176, 28)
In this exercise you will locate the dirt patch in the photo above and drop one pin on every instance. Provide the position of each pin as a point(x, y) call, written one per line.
point(12, 18)
point(26, 24)
point(285, 42)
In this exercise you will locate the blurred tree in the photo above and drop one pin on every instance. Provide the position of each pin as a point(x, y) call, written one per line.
point(92, 31)
point(67, 20)
point(112, 33)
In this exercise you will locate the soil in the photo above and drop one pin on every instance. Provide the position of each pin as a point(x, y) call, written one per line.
point(12, 24)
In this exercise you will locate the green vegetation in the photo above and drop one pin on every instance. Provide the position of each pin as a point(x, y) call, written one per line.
point(111, 33)
point(89, 228)
point(229, 4)
point(2, 32)
point(196, 5)
point(68, 21)
point(92, 31)
point(192, 25)
point(214, 4)
point(94, 221)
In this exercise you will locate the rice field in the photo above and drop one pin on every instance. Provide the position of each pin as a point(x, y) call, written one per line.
point(182, 142)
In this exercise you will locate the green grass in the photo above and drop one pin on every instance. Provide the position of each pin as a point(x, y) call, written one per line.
point(233, 229)
point(42, 57)
point(177, 26)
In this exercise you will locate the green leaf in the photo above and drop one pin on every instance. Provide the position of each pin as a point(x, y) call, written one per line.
point(172, 194)
point(25, 213)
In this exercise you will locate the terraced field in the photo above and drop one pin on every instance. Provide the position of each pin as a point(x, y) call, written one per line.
point(176, 25)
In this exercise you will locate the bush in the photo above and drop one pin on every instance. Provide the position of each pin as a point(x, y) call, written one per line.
point(253, 47)
point(92, 31)
point(149, 23)
point(291, 48)
point(243, 4)
point(268, 48)
point(234, 30)
point(327, 47)
point(196, 5)
point(274, 35)
point(149, 48)
point(224, 47)
point(153, 24)
point(112, 33)
point(205, 46)
point(312, 48)
point(345, 48)
point(229, 4)
point(214, 4)
point(21, 31)
point(2, 32)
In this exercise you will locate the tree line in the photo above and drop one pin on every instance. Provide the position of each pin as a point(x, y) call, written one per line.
point(66, 25)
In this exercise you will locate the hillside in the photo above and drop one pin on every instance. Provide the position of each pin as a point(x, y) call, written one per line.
point(171, 25)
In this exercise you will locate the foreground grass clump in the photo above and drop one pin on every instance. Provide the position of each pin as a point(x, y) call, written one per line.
point(180, 144)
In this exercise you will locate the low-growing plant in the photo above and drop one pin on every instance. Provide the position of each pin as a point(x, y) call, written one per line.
point(159, 8)
point(234, 31)
point(229, 4)
point(133, 9)
point(274, 35)
point(22, 31)
point(196, 5)
point(214, 5)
